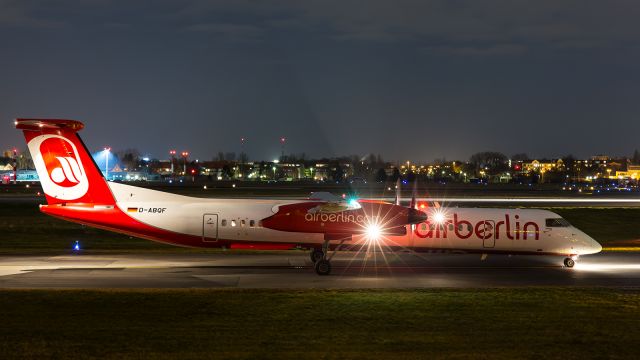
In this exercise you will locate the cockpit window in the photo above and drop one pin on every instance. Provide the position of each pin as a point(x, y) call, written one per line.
point(558, 222)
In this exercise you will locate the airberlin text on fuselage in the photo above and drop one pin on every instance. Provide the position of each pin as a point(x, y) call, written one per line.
point(335, 217)
point(483, 229)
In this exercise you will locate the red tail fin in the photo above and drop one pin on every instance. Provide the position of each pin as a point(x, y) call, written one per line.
point(66, 169)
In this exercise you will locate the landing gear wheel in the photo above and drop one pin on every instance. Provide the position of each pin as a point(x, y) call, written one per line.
point(316, 255)
point(569, 262)
point(323, 267)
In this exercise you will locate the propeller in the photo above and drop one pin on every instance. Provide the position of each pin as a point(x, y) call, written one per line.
point(413, 204)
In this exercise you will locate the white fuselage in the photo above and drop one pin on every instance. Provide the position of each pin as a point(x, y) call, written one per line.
point(526, 231)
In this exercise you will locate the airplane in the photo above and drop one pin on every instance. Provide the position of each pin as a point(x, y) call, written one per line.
point(76, 191)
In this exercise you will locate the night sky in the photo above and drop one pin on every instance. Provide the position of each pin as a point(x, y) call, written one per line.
point(411, 80)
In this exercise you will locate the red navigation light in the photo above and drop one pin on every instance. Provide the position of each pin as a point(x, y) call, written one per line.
point(193, 171)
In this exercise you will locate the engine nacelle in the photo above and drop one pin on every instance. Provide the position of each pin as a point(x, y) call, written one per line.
point(343, 218)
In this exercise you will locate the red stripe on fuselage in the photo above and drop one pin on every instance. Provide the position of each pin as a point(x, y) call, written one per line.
point(113, 219)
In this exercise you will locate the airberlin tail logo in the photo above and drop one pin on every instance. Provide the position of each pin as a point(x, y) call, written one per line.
point(68, 172)
point(59, 167)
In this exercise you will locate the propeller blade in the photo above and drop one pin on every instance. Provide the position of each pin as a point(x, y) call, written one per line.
point(413, 204)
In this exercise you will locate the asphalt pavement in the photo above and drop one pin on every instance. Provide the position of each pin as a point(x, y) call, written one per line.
point(293, 269)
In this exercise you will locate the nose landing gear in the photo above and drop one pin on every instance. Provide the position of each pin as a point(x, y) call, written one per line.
point(570, 261)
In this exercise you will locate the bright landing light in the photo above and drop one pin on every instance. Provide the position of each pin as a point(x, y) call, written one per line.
point(438, 217)
point(373, 231)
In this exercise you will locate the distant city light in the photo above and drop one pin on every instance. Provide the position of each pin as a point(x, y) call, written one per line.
point(106, 162)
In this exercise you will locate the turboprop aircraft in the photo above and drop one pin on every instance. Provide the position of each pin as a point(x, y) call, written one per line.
point(76, 191)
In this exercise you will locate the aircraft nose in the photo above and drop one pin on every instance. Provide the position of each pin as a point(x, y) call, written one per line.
point(416, 216)
point(591, 246)
point(595, 246)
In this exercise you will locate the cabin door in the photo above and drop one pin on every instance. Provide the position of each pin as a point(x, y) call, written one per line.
point(210, 227)
point(489, 234)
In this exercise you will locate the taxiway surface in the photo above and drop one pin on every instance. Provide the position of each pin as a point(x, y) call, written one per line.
point(294, 270)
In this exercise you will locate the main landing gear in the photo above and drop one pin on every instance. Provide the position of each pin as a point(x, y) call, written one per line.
point(321, 262)
point(570, 261)
point(316, 255)
point(323, 267)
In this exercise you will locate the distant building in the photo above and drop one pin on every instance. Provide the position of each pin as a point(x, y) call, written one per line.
point(632, 173)
point(542, 166)
point(6, 176)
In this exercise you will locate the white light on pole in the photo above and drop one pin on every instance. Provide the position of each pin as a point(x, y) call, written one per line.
point(106, 162)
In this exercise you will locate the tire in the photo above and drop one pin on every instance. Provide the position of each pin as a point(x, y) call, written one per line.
point(323, 267)
point(569, 262)
point(316, 255)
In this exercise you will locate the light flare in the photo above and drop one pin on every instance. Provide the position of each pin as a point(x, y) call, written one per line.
point(438, 216)
point(605, 267)
point(373, 232)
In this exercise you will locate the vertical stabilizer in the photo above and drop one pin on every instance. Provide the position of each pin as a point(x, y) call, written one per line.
point(66, 169)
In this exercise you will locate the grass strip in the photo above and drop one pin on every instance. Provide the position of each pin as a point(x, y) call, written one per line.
point(507, 323)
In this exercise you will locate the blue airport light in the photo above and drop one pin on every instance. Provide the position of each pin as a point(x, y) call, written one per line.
point(76, 246)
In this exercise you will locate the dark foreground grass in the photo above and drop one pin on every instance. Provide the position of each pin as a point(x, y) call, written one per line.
point(157, 324)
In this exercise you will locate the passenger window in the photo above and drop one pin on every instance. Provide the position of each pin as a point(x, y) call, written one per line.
point(252, 223)
point(224, 222)
point(557, 222)
point(423, 226)
point(242, 223)
point(432, 226)
point(233, 223)
point(450, 227)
